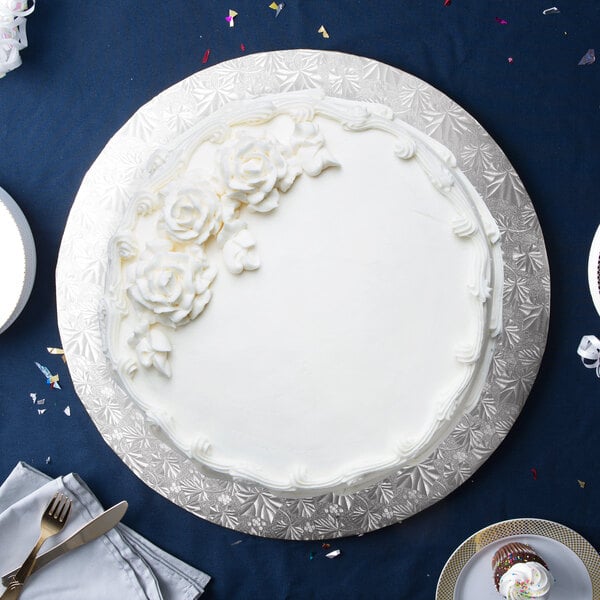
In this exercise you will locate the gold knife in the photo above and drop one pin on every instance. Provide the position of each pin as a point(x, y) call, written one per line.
point(90, 531)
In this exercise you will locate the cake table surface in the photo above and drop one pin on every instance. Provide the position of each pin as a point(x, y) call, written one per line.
point(84, 75)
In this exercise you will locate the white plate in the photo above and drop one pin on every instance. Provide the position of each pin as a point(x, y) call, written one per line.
point(572, 561)
point(17, 249)
point(594, 270)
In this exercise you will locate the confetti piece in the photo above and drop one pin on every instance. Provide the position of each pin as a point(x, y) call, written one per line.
point(41, 402)
point(277, 7)
point(58, 351)
point(326, 546)
point(447, 2)
point(333, 554)
point(205, 57)
point(48, 460)
point(33, 397)
point(67, 411)
point(237, 542)
point(589, 58)
point(581, 483)
point(51, 380)
point(510, 60)
point(534, 473)
point(501, 21)
point(230, 18)
point(242, 48)
point(41, 411)
point(323, 32)
point(551, 11)
point(311, 556)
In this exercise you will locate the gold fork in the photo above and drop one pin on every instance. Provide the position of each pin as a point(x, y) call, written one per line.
point(53, 520)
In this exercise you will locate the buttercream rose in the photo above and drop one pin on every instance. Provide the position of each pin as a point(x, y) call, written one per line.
point(153, 351)
point(254, 169)
point(174, 286)
point(238, 245)
point(126, 246)
point(191, 212)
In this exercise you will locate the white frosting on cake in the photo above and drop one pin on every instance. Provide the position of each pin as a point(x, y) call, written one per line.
point(305, 293)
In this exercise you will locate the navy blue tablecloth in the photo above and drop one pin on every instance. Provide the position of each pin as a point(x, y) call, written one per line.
point(91, 65)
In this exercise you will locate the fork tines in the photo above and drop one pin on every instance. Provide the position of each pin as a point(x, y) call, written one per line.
point(59, 507)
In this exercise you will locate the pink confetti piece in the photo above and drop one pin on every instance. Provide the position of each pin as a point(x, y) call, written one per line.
point(229, 18)
point(510, 60)
point(205, 57)
point(501, 21)
point(534, 473)
point(242, 48)
point(447, 2)
point(589, 58)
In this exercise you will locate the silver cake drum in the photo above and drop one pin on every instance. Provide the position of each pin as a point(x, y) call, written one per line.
point(99, 207)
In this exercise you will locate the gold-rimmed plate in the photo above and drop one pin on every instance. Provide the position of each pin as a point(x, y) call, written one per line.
point(572, 560)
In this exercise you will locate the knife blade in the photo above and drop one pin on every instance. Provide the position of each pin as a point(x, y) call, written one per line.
point(90, 531)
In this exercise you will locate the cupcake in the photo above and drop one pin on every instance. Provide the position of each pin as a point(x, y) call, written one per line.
point(520, 573)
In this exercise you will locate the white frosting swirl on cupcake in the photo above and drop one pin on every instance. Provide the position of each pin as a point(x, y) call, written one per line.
point(525, 581)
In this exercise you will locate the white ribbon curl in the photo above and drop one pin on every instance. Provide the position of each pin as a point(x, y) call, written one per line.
point(12, 33)
point(589, 350)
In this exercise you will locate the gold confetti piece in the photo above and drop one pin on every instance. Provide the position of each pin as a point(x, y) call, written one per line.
point(58, 351)
point(581, 483)
point(323, 32)
point(277, 7)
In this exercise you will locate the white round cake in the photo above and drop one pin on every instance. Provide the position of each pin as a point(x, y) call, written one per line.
point(305, 293)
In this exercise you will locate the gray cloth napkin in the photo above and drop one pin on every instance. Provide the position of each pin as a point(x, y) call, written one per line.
point(119, 564)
